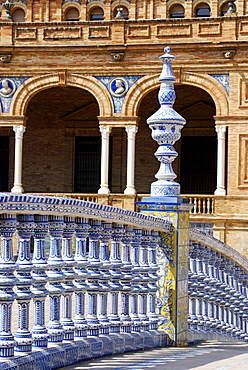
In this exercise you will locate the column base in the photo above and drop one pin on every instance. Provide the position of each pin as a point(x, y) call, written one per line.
point(104, 190)
point(17, 189)
point(220, 191)
point(130, 190)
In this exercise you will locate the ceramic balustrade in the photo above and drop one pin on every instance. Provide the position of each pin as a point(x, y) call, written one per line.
point(93, 276)
point(217, 292)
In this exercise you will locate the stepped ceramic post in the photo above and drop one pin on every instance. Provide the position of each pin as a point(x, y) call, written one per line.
point(81, 233)
point(153, 274)
point(105, 237)
point(23, 336)
point(94, 275)
point(56, 276)
point(165, 201)
point(126, 325)
point(116, 276)
point(69, 287)
point(136, 288)
point(146, 239)
point(39, 332)
point(8, 225)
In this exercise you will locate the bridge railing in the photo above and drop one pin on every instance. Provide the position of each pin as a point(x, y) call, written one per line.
point(104, 257)
point(218, 288)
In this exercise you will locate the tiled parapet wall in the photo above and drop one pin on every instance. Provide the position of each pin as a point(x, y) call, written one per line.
point(94, 275)
point(218, 289)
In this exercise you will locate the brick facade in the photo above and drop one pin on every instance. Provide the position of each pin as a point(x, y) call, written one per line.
point(62, 96)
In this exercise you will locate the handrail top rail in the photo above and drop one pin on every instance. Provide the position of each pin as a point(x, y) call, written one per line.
point(71, 207)
point(219, 247)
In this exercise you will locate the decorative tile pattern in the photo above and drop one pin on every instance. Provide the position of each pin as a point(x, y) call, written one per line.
point(110, 84)
point(14, 83)
point(223, 79)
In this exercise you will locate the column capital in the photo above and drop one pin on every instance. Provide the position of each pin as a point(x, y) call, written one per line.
point(19, 131)
point(105, 131)
point(131, 131)
point(221, 131)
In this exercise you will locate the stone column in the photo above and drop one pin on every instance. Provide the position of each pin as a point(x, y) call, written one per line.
point(131, 132)
point(19, 131)
point(105, 132)
point(221, 153)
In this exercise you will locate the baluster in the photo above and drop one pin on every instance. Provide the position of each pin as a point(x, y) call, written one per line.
point(23, 336)
point(208, 206)
point(116, 275)
point(126, 325)
point(199, 205)
point(146, 239)
point(8, 225)
point(136, 289)
point(81, 232)
point(190, 202)
point(105, 277)
point(93, 277)
point(195, 206)
point(39, 332)
point(204, 205)
point(153, 275)
point(56, 276)
point(67, 283)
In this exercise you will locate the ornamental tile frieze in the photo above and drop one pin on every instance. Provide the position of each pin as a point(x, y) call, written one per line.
point(223, 79)
point(8, 87)
point(118, 87)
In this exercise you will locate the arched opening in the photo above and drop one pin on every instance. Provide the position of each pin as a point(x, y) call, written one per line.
point(124, 12)
point(202, 10)
point(18, 15)
point(196, 163)
point(72, 15)
point(62, 142)
point(177, 11)
point(97, 14)
point(224, 9)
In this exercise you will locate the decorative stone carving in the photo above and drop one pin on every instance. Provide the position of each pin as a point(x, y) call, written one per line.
point(117, 56)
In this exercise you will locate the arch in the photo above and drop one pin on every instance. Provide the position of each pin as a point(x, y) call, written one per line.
point(67, 6)
point(121, 4)
point(203, 81)
point(125, 12)
point(202, 9)
point(223, 8)
point(93, 7)
point(72, 14)
point(20, 6)
point(176, 10)
point(36, 84)
point(18, 15)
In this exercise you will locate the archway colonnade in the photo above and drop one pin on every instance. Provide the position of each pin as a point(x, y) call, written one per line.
point(108, 118)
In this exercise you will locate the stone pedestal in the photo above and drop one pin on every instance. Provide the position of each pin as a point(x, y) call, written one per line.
point(172, 258)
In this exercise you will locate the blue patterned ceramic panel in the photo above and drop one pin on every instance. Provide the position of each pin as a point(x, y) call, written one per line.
point(118, 87)
point(8, 87)
point(223, 80)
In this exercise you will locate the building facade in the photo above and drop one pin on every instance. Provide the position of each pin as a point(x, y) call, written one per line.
point(78, 80)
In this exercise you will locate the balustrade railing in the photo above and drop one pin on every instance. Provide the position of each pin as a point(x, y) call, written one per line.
point(218, 288)
point(107, 285)
point(202, 204)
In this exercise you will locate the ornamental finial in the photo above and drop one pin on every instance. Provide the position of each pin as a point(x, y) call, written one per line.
point(166, 125)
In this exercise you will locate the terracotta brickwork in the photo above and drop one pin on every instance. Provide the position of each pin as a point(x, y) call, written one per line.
point(62, 70)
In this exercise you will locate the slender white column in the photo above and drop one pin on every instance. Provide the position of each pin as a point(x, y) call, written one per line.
point(104, 187)
point(19, 131)
point(221, 153)
point(131, 132)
